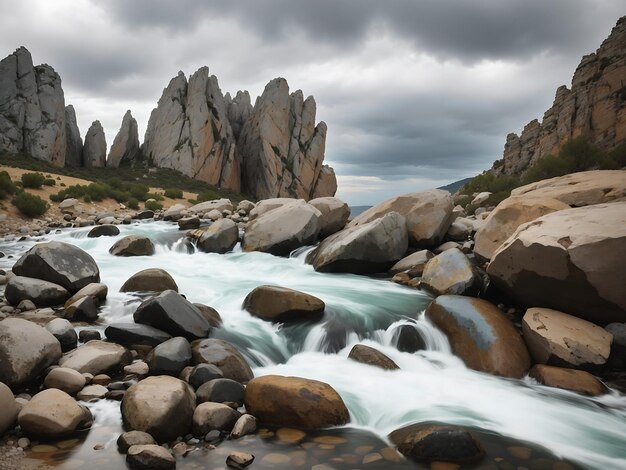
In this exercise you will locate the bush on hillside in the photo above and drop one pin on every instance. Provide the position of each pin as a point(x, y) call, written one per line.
point(30, 205)
point(207, 196)
point(153, 205)
point(33, 180)
point(7, 188)
point(49, 182)
point(132, 203)
point(173, 193)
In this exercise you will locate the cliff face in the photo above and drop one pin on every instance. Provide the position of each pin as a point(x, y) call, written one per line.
point(125, 146)
point(32, 111)
point(594, 107)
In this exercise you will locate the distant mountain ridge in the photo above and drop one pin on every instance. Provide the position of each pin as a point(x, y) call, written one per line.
point(454, 187)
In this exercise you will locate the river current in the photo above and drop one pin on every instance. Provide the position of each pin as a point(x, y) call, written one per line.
point(431, 385)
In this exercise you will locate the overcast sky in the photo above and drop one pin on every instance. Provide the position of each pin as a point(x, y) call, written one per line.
point(416, 93)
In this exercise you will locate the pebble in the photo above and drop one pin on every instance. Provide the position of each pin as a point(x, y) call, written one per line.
point(371, 458)
point(290, 435)
point(522, 453)
point(335, 440)
point(239, 459)
point(23, 442)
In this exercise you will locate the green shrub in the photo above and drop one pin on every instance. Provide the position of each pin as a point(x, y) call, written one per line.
point(139, 190)
point(87, 198)
point(153, 205)
point(133, 203)
point(7, 187)
point(207, 196)
point(97, 191)
point(155, 196)
point(119, 195)
point(33, 180)
point(49, 182)
point(173, 193)
point(30, 205)
point(116, 183)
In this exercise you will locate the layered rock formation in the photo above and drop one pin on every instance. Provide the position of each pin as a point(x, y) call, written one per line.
point(594, 107)
point(33, 116)
point(95, 149)
point(125, 146)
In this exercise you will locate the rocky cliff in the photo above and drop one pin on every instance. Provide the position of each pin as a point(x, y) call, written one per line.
point(33, 117)
point(125, 146)
point(95, 149)
point(594, 107)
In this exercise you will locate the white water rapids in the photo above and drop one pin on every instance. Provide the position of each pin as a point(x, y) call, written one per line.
point(431, 385)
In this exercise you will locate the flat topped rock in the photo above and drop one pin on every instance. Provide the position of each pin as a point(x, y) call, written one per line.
point(96, 357)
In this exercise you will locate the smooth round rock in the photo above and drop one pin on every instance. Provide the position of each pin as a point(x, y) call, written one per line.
point(133, 245)
point(280, 304)
point(372, 357)
point(68, 380)
point(221, 391)
point(52, 413)
point(133, 438)
point(150, 280)
point(150, 457)
point(209, 416)
point(224, 356)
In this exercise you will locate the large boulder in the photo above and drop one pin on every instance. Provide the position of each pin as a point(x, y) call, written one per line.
point(133, 245)
point(281, 304)
point(413, 264)
point(283, 229)
point(267, 205)
point(451, 272)
point(53, 413)
point(41, 293)
point(428, 215)
point(172, 313)
point(26, 350)
point(504, 220)
point(574, 380)
point(295, 402)
point(8, 410)
point(96, 357)
point(370, 356)
point(150, 280)
point(568, 260)
point(60, 263)
point(129, 334)
point(162, 406)
point(480, 335)
point(222, 355)
point(207, 206)
point(559, 339)
point(366, 248)
point(169, 357)
point(219, 237)
point(335, 214)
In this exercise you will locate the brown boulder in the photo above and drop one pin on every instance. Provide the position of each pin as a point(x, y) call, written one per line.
point(577, 381)
point(413, 264)
point(295, 402)
point(150, 280)
point(224, 356)
point(372, 357)
point(480, 335)
point(281, 304)
point(132, 245)
point(451, 272)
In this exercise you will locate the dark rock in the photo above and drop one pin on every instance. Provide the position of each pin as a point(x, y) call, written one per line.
point(239, 460)
point(87, 335)
point(41, 293)
point(133, 245)
point(224, 356)
point(221, 391)
point(64, 332)
point(203, 373)
point(169, 357)
point(59, 263)
point(150, 280)
point(220, 237)
point(409, 339)
point(143, 215)
point(372, 357)
point(84, 308)
point(103, 231)
point(188, 223)
point(172, 313)
point(133, 438)
point(129, 334)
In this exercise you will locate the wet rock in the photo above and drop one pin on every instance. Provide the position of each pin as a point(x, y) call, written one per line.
point(133, 438)
point(239, 459)
point(84, 336)
point(96, 357)
point(480, 335)
point(618, 348)
point(162, 406)
point(169, 357)
point(128, 334)
point(438, 443)
point(92, 392)
point(224, 356)
point(371, 356)
point(97, 290)
point(133, 245)
point(246, 424)
point(59, 263)
point(568, 379)
point(64, 332)
point(293, 401)
point(84, 308)
point(52, 413)
point(281, 304)
point(409, 340)
point(41, 293)
point(106, 230)
point(26, 349)
point(210, 314)
point(428, 215)
point(335, 214)
point(209, 416)
point(203, 373)
point(559, 339)
point(8, 410)
point(366, 248)
point(219, 237)
point(172, 313)
point(150, 457)
point(567, 261)
point(451, 272)
point(283, 229)
point(221, 390)
point(188, 223)
point(65, 379)
point(150, 280)
point(144, 215)
point(412, 264)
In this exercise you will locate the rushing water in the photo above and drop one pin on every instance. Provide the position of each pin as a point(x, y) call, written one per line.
point(430, 385)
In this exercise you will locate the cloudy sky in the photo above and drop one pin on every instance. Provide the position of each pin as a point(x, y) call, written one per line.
point(416, 93)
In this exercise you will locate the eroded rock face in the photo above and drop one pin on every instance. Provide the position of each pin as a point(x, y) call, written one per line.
point(480, 335)
point(95, 148)
point(162, 406)
point(26, 349)
point(557, 338)
point(568, 260)
point(368, 248)
point(593, 108)
point(32, 109)
point(280, 401)
point(125, 147)
point(428, 215)
point(74, 152)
